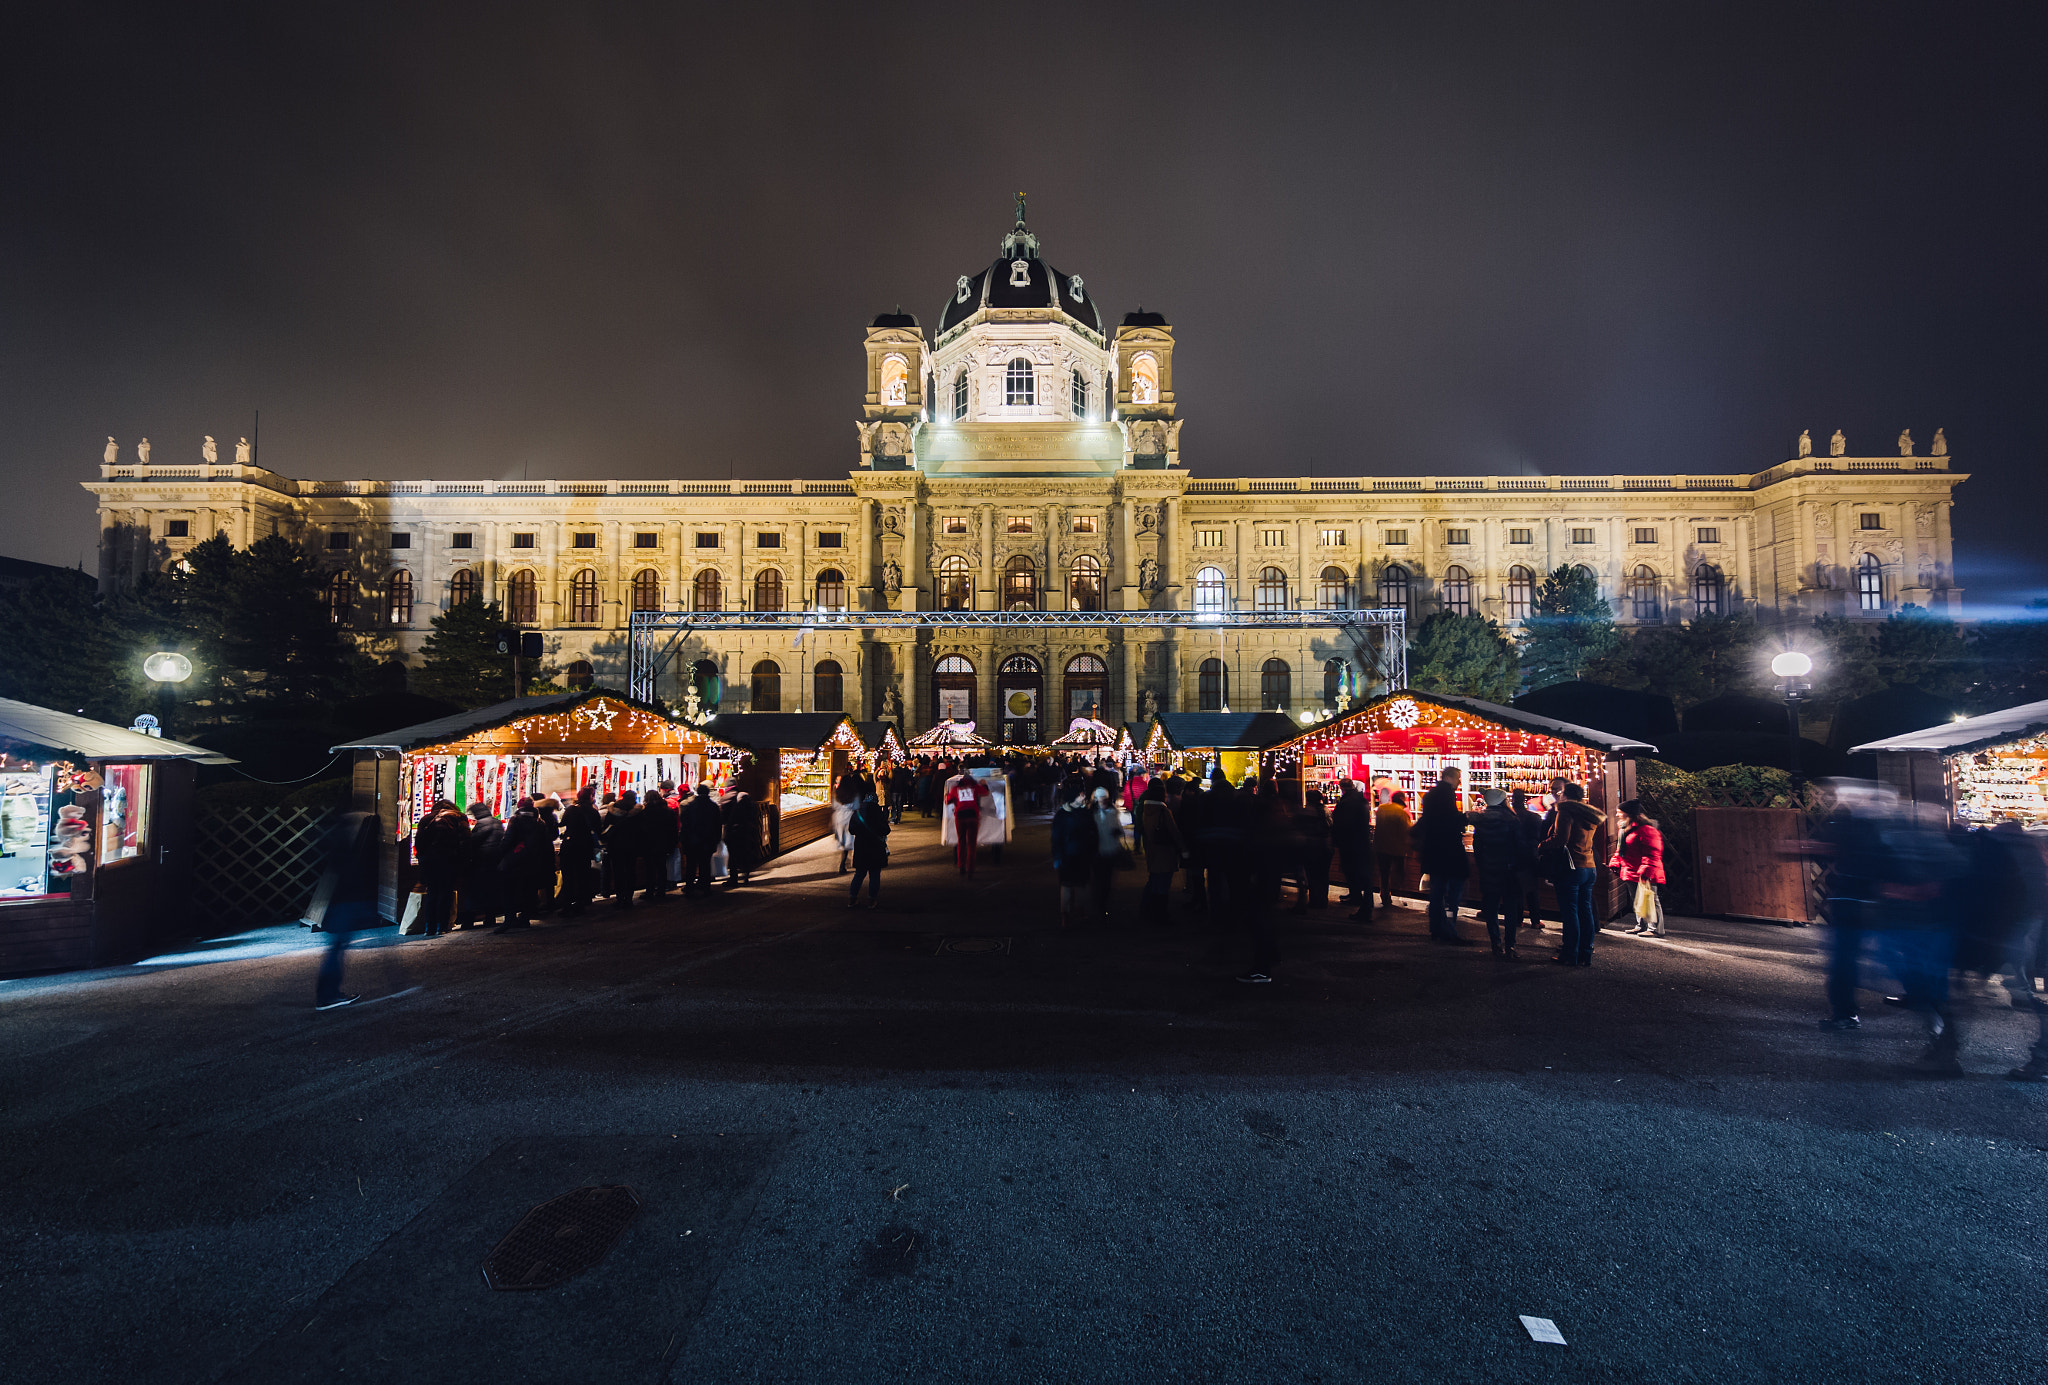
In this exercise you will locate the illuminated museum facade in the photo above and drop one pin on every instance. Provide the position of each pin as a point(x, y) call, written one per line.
point(1027, 455)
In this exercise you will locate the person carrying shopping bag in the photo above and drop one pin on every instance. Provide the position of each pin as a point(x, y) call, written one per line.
point(1640, 861)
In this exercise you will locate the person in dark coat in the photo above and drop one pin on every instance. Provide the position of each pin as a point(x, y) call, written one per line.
point(550, 811)
point(1351, 834)
point(481, 896)
point(529, 857)
point(1310, 839)
point(869, 828)
point(1190, 812)
point(1574, 825)
point(1501, 854)
point(1075, 845)
point(621, 842)
point(660, 835)
point(1440, 845)
point(351, 851)
point(742, 839)
point(900, 779)
point(441, 843)
point(702, 827)
point(1531, 823)
point(581, 824)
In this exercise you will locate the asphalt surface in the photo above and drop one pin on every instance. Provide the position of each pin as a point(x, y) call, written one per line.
point(946, 1141)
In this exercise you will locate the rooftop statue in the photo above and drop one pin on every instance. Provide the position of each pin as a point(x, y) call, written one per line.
point(1837, 445)
point(1805, 443)
point(1940, 448)
point(113, 452)
point(242, 452)
point(1905, 442)
point(210, 452)
point(142, 451)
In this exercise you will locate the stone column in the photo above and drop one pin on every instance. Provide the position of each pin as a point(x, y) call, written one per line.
point(864, 580)
point(1169, 555)
point(989, 598)
point(1119, 574)
point(915, 577)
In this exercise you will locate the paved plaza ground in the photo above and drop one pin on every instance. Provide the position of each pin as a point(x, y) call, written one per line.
point(945, 1141)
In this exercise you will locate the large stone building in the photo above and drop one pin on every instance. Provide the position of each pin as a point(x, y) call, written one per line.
point(1028, 455)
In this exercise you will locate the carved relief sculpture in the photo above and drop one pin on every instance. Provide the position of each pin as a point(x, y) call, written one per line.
point(892, 577)
point(1148, 574)
point(1923, 523)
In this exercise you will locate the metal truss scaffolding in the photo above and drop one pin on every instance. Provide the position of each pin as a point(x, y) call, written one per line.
point(1378, 637)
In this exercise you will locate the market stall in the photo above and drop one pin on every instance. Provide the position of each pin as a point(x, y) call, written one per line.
point(1990, 768)
point(884, 746)
point(1404, 741)
point(95, 833)
point(951, 735)
point(1096, 739)
point(789, 762)
point(1203, 743)
point(552, 744)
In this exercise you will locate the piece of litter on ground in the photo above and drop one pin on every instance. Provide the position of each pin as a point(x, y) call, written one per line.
point(1542, 1330)
point(896, 1193)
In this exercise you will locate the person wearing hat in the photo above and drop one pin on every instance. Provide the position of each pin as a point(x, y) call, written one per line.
point(1499, 848)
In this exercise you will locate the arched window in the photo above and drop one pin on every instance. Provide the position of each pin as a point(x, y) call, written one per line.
point(1020, 584)
point(1645, 600)
point(956, 584)
point(1334, 672)
point(1457, 591)
point(1212, 688)
point(959, 395)
point(522, 597)
point(954, 664)
point(1084, 583)
point(1020, 663)
point(767, 686)
point(1276, 685)
point(895, 380)
point(1394, 585)
point(1333, 590)
point(583, 597)
point(1521, 592)
point(1087, 686)
point(341, 599)
point(704, 594)
point(398, 598)
point(831, 594)
point(1212, 592)
point(579, 674)
point(646, 590)
point(1708, 590)
point(1020, 383)
point(463, 586)
point(1870, 583)
point(1589, 575)
point(1144, 380)
point(953, 689)
point(828, 687)
point(1271, 593)
point(768, 590)
point(1080, 395)
point(704, 677)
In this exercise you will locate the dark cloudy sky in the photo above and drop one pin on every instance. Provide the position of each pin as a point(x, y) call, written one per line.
point(590, 241)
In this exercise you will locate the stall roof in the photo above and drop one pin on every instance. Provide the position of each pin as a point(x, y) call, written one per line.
point(1227, 730)
point(874, 733)
point(93, 740)
point(1971, 733)
point(442, 730)
point(1506, 716)
point(777, 730)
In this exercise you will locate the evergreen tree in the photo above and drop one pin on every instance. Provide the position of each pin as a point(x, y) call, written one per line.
point(1688, 663)
point(1464, 656)
point(463, 664)
point(1569, 628)
point(1925, 650)
point(277, 639)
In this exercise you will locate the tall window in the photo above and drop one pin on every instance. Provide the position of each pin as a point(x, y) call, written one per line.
point(578, 674)
point(831, 595)
point(768, 590)
point(767, 686)
point(959, 396)
point(398, 598)
point(522, 597)
point(583, 597)
point(704, 594)
point(1457, 591)
point(956, 583)
point(1333, 590)
point(1708, 590)
point(828, 687)
point(1394, 585)
point(1144, 380)
point(1084, 583)
point(1080, 395)
point(462, 587)
point(646, 590)
point(1644, 599)
point(1333, 681)
point(1020, 383)
point(1870, 583)
point(1212, 592)
point(1271, 593)
point(1276, 685)
point(1211, 686)
point(1020, 584)
point(1521, 592)
point(341, 599)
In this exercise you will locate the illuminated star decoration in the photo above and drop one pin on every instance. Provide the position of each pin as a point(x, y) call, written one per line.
point(600, 714)
point(1404, 714)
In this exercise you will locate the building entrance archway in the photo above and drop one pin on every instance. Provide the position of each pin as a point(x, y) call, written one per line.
point(1087, 688)
point(953, 689)
point(1020, 693)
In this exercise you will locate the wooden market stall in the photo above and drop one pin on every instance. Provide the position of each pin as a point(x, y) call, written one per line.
point(95, 839)
point(884, 746)
point(554, 743)
point(1404, 740)
point(1204, 742)
point(789, 762)
point(1984, 769)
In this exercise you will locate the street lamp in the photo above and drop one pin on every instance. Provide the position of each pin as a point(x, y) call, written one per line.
point(1792, 666)
point(166, 669)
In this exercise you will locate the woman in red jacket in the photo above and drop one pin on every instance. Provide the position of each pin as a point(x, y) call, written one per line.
point(1640, 861)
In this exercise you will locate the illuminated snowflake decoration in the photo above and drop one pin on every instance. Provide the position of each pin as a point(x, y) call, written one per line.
point(1403, 714)
point(598, 714)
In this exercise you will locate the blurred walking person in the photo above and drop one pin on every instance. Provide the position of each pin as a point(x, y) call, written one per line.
point(1110, 851)
point(1391, 825)
point(868, 829)
point(481, 898)
point(965, 798)
point(1074, 848)
point(351, 851)
point(742, 839)
point(1310, 840)
point(1351, 833)
point(1163, 848)
point(1440, 834)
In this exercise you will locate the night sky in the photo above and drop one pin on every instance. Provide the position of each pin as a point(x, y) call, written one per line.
point(593, 241)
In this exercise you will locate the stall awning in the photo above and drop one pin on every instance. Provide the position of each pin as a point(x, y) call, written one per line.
point(1971, 733)
point(1388, 710)
point(603, 712)
point(1226, 730)
point(763, 731)
point(880, 736)
point(93, 740)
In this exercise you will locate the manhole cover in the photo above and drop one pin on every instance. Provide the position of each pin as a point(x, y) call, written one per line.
point(562, 1237)
point(973, 946)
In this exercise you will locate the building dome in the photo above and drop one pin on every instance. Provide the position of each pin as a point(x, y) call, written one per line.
point(898, 318)
point(1020, 279)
